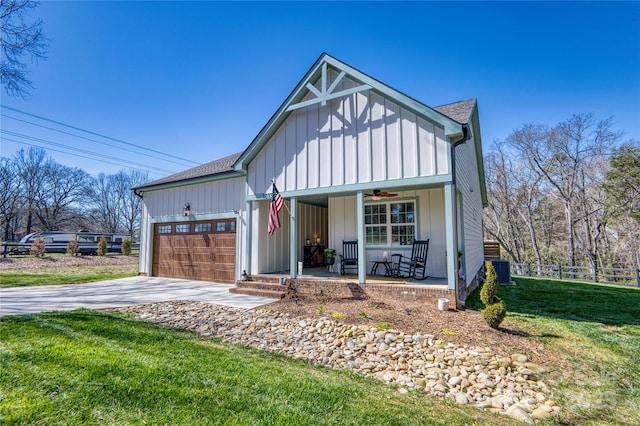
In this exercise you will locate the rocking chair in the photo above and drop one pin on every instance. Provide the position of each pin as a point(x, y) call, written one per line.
point(417, 266)
point(349, 256)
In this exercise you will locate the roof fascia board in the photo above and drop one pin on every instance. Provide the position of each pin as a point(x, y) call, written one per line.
point(188, 182)
point(277, 118)
point(451, 128)
point(475, 125)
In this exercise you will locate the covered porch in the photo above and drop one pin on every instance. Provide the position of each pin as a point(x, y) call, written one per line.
point(382, 226)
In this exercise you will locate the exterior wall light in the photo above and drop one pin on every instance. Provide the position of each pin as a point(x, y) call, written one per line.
point(187, 209)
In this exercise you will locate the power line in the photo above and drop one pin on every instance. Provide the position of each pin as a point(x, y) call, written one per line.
point(77, 155)
point(89, 139)
point(101, 156)
point(98, 134)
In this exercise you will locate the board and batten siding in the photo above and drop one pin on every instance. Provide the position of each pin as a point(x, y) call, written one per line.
point(220, 198)
point(468, 185)
point(359, 138)
point(271, 252)
point(430, 224)
point(204, 198)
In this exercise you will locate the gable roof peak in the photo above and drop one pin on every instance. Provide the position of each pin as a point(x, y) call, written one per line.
point(328, 91)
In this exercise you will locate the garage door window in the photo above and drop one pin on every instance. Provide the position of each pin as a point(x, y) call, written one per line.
point(203, 227)
point(164, 229)
point(183, 227)
point(225, 226)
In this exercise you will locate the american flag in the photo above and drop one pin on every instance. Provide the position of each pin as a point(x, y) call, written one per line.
point(274, 209)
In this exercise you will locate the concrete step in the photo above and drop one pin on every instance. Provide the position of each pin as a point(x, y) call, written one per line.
point(256, 292)
point(271, 278)
point(259, 285)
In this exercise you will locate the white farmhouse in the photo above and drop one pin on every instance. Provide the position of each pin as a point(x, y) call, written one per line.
point(354, 160)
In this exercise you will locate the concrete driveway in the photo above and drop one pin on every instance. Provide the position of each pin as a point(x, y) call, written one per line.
point(120, 292)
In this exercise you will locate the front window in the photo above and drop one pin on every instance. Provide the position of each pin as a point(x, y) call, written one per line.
point(390, 223)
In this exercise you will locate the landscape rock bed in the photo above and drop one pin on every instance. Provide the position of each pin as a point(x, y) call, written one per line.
point(470, 376)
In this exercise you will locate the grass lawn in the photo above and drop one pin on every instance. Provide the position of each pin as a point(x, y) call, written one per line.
point(596, 328)
point(65, 275)
point(85, 367)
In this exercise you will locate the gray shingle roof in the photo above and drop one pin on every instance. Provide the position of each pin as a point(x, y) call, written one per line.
point(458, 111)
point(222, 165)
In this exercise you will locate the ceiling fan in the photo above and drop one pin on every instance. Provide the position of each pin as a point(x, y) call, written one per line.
point(377, 194)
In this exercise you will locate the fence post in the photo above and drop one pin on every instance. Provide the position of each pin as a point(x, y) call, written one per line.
point(529, 270)
point(595, 273)
point(559, 272)
point(638, 276)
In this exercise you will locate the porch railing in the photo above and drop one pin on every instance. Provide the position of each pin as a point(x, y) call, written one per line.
point(619, 276)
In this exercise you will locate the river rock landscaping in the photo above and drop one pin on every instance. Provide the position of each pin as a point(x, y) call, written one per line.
point(477, 376)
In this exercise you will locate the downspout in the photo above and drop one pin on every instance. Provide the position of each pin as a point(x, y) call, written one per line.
point(466, 135)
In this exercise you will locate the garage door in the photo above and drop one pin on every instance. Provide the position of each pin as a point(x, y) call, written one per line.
point(203, 250)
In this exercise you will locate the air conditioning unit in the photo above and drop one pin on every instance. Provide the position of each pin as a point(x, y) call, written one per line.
point(503, 271)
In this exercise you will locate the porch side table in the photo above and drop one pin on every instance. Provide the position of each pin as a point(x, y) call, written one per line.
point(388, 267)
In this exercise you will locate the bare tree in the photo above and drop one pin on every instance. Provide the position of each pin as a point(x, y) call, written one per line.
point(19, 39)
point(9, 197)
point(105, 203)
point(501, 219)
point(30, 167)
point(562, 155)
point(62, 191)
point(114, 205)
point(130, 208)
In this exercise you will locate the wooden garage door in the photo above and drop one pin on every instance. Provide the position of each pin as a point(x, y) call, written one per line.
point(203, 250)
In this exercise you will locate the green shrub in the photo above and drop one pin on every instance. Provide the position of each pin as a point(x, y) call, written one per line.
point(72, 247)
point(490, 286)
point(494, 314)
point(102, 246)
point(363, 314)
point(320, 309)
point(126, 247)
point(38, 248)
point(337, 315)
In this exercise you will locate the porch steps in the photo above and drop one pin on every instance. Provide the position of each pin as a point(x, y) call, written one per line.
point(261, 285)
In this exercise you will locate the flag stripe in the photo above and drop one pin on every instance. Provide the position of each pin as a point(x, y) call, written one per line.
point(274, 209)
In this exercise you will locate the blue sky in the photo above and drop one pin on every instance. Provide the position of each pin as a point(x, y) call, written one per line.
point(199, 80)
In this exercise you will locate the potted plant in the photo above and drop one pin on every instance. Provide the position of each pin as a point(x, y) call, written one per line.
point(329, 256)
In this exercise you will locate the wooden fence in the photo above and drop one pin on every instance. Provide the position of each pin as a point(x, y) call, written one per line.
point(620, 276)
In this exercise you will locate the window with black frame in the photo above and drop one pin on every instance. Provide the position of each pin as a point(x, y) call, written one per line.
point(390, 223)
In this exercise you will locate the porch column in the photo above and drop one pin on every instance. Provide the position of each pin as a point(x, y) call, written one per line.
point(450, 234)
point(362, 261)
point(249, 232)
point(293, 239)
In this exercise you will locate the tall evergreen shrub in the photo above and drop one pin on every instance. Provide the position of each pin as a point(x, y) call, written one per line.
point(102, 246)
point(38, 248)
point(495, 311)
point(126, 247)
point(72, 247)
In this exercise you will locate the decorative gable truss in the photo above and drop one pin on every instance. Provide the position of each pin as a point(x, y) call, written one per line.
point(327, 93)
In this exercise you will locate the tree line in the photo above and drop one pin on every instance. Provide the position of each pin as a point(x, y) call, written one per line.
point(566, 194)
point(39, 194)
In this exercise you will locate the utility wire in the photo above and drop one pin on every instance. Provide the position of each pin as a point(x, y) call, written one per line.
point(92, 140)
point(98, 134)
point(84, 151)
point(77, 155)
